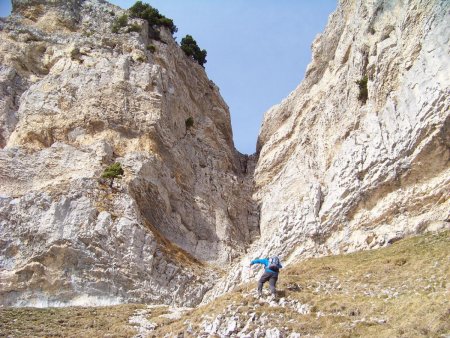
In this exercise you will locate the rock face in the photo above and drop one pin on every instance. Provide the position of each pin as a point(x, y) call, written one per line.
point(75, 98)
point(340, 166)
point(339, 173)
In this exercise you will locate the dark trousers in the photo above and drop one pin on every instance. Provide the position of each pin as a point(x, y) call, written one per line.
point(272, 278)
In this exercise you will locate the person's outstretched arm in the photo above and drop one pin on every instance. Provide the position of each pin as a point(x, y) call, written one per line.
point(260, 261)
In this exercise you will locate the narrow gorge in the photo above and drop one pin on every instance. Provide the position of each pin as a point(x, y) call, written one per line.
point(355, 158)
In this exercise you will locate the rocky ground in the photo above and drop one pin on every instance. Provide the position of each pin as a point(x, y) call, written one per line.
point(401, 291)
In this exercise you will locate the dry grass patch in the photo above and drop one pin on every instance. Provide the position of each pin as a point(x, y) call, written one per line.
point(401, 290)
point(398, 291)
point(111, 321)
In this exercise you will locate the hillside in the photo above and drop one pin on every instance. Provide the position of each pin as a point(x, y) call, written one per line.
point(402, 290)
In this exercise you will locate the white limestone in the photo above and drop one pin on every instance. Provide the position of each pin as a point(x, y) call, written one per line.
point(335, 174)
point(332, 174)
point(75, 98)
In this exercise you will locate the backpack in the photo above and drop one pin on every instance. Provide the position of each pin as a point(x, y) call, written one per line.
point(274, 263)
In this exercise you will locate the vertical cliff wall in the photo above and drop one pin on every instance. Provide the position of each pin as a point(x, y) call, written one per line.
point(342, 169)
point(339, 171)
point(355, 158)
point(75, 98)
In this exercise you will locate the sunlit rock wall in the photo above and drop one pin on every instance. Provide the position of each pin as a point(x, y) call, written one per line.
point(337, 173)
point(75, 98)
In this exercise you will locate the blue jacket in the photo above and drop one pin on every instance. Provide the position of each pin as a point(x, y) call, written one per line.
point(266, 263)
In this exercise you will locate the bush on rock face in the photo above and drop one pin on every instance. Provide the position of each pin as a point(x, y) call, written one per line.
point(363, 92)
point(113, 171)
point(134, 28)
point(189, 122)
point(119, 23)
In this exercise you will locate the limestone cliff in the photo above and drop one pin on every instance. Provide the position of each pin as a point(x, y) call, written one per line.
point(76, 97)
point(340, 166)
point(339, 171)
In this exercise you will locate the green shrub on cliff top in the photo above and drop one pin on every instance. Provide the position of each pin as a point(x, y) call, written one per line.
point(152, 16)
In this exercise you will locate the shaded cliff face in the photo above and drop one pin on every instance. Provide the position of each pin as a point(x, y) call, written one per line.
point(76, 97)
point(338, 173)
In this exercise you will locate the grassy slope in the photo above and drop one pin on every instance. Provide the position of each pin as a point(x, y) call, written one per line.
point(402, 290)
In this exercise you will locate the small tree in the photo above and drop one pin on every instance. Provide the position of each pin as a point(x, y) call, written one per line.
point(113, 171)
point(191, 49)
point(363, 92)
point(153, 17)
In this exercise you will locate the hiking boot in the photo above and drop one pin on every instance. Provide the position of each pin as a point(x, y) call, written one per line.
point(258, 294)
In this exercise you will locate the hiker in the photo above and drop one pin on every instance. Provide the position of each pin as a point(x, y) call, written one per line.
point(272, 267)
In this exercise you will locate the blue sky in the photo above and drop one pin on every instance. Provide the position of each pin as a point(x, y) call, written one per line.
point(257, 50)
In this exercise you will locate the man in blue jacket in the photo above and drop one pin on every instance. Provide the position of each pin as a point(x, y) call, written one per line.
point(272, 267)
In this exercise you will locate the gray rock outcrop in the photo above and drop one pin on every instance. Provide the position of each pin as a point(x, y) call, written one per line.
point(76, 98)
point(338, 172)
